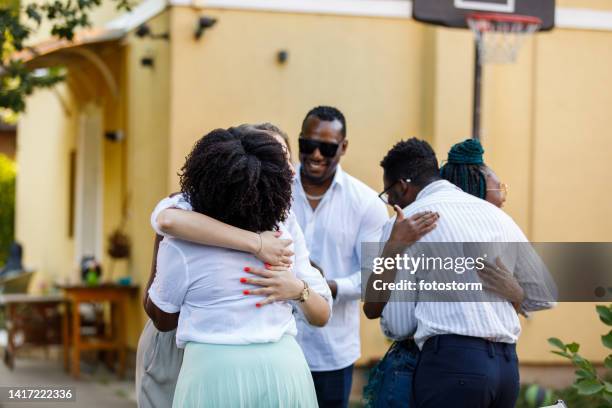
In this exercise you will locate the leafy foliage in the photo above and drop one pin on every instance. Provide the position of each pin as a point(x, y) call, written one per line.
point(570, 395)
point(588, 382)
point(17, 24)
point(8, 172)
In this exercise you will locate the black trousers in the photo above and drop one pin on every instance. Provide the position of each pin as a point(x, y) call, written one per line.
point(466, 372)
point(333, 387)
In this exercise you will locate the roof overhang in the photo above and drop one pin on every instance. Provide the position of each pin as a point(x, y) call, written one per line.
point(83, 50)
point(114, 30)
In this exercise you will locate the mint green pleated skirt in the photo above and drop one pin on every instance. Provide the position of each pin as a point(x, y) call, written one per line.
point(266, 375)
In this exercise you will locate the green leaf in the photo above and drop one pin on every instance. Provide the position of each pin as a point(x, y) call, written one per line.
point(608, 362)
point(584, 374)
point(588, 387)
point(605, 314)
point(555, 342)
point(607, 340)
point(608, 387)
point(573, 347)
point(33, 13)
point(579, 361)
point(562, 354)
point(608, 398)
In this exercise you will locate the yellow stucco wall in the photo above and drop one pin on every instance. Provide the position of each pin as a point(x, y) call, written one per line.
point(231, 76)
point(45, 137)
point(588, 4)
point(147, 115)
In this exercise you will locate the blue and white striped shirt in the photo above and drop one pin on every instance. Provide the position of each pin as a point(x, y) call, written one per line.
point(465, 218)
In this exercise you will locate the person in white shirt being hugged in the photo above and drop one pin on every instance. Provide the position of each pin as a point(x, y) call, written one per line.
point(236, 327)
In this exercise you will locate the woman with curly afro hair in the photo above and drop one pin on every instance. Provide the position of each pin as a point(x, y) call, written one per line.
point(232, 312)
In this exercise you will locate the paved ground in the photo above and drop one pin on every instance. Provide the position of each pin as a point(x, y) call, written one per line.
point(97, 388)
point(100, 388)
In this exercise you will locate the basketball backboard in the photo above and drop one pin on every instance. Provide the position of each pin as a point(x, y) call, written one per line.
point(452, 13)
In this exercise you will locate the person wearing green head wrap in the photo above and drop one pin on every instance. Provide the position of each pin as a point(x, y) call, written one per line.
point(466, 169)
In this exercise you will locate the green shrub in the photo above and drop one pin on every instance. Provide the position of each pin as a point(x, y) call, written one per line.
point(8, 172)
point(570, 395)
point(588, 382)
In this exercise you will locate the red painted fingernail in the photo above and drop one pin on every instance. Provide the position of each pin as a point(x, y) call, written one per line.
point(243, 280)
point(246, 292)
point(267, 265)
point(257, 304)
point(247, 269)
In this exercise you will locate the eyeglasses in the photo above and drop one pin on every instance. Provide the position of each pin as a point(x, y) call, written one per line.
point(384, 196)
point(308, 146)
point(503, 189)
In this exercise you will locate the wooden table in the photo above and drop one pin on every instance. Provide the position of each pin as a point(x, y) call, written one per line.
point(115, 339)
point(31, 321)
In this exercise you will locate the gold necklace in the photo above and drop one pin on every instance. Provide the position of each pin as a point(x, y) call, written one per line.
point(315, 198)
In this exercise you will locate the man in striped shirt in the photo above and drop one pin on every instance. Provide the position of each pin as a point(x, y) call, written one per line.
point(468, 356)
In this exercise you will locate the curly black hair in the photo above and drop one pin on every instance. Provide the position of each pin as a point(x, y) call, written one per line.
point(413, 159)
point(327, 114)
point(239, 176)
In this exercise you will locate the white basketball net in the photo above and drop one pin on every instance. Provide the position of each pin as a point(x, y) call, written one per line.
point(501, 36)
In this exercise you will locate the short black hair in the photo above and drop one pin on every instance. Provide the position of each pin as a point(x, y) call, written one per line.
point(412, 159)
point(327, 114)
point(239, 176)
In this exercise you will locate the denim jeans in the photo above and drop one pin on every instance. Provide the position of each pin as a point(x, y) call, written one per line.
point(390, 382)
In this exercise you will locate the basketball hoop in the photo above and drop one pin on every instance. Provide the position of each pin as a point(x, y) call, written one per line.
point(500, 36)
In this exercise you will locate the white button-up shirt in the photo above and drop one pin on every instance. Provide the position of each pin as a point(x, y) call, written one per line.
point(203, 284)
point(465, 218)
point(350, 213)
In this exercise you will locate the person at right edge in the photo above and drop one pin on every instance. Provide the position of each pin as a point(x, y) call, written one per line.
point(390, 380)
point(468, 349)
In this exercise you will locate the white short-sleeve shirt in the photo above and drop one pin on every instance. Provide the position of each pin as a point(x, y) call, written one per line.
point(203, 284)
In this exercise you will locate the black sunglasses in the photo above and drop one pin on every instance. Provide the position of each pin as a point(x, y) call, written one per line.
point(308, 146)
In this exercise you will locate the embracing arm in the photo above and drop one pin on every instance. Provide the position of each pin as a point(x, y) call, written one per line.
point(199, 228)
point(163, 321)
point(497, 279)
point(405, 232)
point(375, 300)
point(316, 309)
point(370, 229)
point(145, 298)
point(282, 283)
point(173, 216)
point(278, 283)
point(539, 288)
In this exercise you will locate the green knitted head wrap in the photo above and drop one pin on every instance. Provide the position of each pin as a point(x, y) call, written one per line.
point(463, 168)
point(467, 152)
